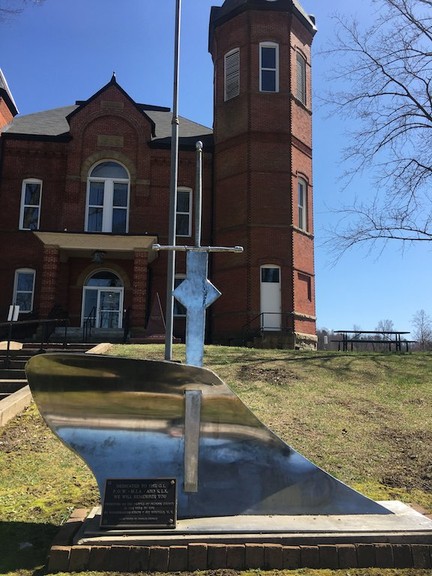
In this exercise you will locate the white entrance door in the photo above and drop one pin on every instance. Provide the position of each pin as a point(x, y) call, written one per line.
point(104, 306)
point(103, 300)
point(270, 298)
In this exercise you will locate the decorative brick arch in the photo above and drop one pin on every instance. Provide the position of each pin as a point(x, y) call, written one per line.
point(109, 267)
point(101, 155)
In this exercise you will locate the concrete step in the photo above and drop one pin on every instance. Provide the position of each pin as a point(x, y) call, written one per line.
point(30, 350)
point(13, 364)
point(11, 374)
point(10, 386)
point(18, 364)
point(75, 334)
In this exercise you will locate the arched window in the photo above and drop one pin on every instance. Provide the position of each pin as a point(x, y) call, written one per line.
point(108, 199)
point(23, 293)
point(104, 279)
point(269, 67)
point(31, 196)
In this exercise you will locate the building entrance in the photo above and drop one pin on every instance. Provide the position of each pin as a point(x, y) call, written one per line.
point(270, 298)
point(103, 300)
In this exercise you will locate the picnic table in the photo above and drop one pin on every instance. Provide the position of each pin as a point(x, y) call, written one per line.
point(391, 338)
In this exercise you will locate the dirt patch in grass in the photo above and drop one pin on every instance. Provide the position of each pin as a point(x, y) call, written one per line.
point(411, 464)
point(20, 438)
point(278, 375)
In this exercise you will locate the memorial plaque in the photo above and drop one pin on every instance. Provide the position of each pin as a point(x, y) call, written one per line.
point(139, 503)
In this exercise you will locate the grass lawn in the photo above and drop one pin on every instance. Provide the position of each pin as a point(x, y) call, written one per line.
point(364, 417)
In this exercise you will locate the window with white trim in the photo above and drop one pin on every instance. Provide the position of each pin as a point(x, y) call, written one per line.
point(183, 212)
point(179, 309)
point(31, 196)
point(232, 74)
point(301, 78)
point(24, 284)
point(269, 67)
point(108, 199)
point(302, 203)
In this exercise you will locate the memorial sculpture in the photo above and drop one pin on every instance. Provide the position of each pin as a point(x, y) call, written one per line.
point(146, 419)
point(170, 441)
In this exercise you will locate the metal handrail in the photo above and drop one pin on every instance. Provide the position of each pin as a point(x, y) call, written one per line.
point(13, 324)
point(248, 329)
point(126, 324)
point(88, 324)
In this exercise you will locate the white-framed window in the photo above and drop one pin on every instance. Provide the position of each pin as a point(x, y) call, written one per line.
point(108, 198)
point(269, 67)
point(301, 78)
point(31, 196)
point(183, 212)
point(24, 284)
point(179, 309)
point(232, 74)
point(302, 194)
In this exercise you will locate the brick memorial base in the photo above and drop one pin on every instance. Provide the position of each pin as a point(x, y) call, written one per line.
point(407, 545)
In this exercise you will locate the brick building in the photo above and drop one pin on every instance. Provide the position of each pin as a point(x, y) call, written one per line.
point(85, 191)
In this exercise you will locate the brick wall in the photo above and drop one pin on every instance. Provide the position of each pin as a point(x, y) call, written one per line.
point(107, 127)
point(262, 145)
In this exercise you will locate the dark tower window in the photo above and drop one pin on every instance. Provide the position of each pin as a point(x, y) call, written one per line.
point(269, 67)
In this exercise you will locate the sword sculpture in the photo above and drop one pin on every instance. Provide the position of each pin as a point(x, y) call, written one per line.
point(196, 292)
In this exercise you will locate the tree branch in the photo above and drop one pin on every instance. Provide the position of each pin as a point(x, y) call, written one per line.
point(389, 106)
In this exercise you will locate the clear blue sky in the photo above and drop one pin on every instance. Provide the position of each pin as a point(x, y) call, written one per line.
point(62, 51)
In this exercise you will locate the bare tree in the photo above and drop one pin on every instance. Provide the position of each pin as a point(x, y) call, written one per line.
point(385, 326)
point(357, 331)
point(385, 75)
point(422, 323)
point(10, 8)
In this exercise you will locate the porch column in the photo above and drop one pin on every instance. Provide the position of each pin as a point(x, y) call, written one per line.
point(50, 269)
point(139, 289)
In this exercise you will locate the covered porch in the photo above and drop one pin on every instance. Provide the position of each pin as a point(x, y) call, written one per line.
point(99, 280)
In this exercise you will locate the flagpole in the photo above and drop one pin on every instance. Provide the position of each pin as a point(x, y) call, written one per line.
point(173, 190)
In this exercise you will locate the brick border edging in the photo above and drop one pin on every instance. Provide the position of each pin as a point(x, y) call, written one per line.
point(65, 557)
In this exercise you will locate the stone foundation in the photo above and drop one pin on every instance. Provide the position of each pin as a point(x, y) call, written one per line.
point(284, 341)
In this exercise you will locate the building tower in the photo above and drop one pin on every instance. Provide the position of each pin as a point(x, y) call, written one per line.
point(261, 51)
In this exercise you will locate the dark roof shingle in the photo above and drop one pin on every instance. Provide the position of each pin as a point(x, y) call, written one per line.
point(54, 123)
